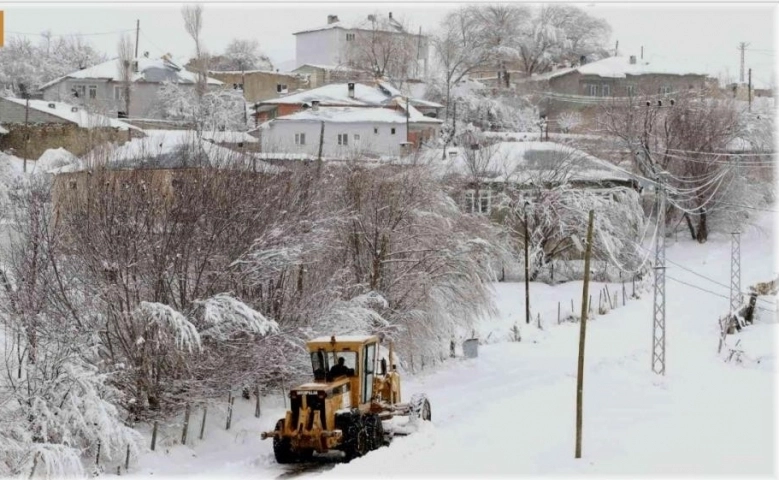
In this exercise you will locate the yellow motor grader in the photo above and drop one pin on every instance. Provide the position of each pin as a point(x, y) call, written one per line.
point(353, 392)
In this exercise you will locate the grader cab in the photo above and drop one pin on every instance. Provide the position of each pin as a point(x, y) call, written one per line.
point(353, 393)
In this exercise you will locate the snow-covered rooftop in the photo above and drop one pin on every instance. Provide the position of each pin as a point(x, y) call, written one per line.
point(372, 22)
point(80, 116)
point(337, 94)
point(620, 67)
point(356, 115)
point(522, 162)
point(153, 70)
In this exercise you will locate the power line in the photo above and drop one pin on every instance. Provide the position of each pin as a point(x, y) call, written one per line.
point(69, 34)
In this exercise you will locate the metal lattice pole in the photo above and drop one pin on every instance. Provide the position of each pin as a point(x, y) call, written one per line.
point(658, 325)
point(735, 272)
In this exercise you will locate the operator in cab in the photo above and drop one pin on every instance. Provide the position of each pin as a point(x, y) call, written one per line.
point(340, 369)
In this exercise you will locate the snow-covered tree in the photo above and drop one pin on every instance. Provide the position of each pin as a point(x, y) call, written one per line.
point(31, 64)
point(568, 121)
point(241, 54)
point(216, 110)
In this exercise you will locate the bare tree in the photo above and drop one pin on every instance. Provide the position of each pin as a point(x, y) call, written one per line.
point(241, 54)
point(193, 24)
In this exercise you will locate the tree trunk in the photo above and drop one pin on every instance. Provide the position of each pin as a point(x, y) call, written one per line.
point(703, 230)
point(690, 226)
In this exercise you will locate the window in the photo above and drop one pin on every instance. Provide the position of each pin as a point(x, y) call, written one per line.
point(281, 88)
point(343, 139)
point(480, 204)
point(349, 37)
point(119, 93)
point(392, 131)
point(631, 90)
point(300, 139)
point(606, 90)
point(93, 91)
point(591, 89)
point(238, 86)
point(664, 89)
point(356, 138)
point(375, 130)
point(80, 91)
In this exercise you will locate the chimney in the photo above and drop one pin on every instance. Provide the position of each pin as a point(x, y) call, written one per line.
point(583, 60)
point(390, 15)
point(371, 18)
point(135, 66)
point(351, 89)
point(332, 19)
point(315, 105)
point(632, 59)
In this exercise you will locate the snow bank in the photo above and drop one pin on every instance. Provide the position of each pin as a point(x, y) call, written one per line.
point(56, 158)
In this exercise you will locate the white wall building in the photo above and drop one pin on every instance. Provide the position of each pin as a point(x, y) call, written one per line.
point(329, 44)
point(348, 131)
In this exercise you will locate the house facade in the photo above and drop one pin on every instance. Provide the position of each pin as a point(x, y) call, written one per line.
point(332, 44)
point(101, 89)
point(258, 85)
point(624, 77)
point(349, 132)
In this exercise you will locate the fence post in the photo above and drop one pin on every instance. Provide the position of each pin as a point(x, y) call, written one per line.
point(623, 293)
point(97, 458)
point(589, 305)
point(558, 313)
point(231, 401)
point(539, 320)
point(118, 470)
point(257, 407)
point(127, 459)
point(186, 425)
point(572, 309)
point(154, 436)
point(203, 423)
point(634, 286)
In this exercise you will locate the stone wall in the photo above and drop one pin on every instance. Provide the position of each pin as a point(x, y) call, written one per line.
point(72, 138)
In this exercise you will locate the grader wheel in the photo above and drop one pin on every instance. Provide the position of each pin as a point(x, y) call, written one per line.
point(356, 438)
point(375, 431)
point(282, 446)
point(420, 407)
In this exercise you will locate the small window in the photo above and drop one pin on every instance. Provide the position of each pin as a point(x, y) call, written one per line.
point(281, 88)
point(343, 139)
point(631, 90)
point(80, 91)
point(118, 93)
point(478, 204)
point(375, 130)
point(93, 91)
point(591, 89)
point(664, 89)
point(356, 138)
point(392, 131)
point(349, 37)
point(606, 90)
point(300, 139)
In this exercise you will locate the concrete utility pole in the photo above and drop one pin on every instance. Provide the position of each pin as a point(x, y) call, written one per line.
point(742, 46)
point(137, 32)
point(582, 332)
point(527, 274)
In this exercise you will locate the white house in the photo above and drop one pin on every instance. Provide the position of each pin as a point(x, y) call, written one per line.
point(101, 87)
point(329, 44)
point(348, 131)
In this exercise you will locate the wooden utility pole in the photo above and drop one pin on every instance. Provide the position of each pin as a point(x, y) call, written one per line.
point(527, 274)
point(408, 134)
point(742, 46)
point(749, 89)
point(137, 32)
point(26, 130)
point(582, 331)
point(321, 144)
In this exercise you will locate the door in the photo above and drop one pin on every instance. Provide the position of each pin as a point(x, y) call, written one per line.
point(369, 354)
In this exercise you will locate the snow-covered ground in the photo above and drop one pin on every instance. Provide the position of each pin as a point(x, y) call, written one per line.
point(511, 411)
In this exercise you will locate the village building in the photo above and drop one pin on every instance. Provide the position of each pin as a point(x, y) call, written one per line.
point(351, 94)
point(350, 132)
point(258, 85)
point(101, 88)
point(331, 44)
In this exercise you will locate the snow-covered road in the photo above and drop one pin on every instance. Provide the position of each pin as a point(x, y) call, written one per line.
point(512, 410)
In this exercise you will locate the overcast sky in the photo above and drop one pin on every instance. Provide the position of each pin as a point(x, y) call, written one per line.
point(704, 36)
